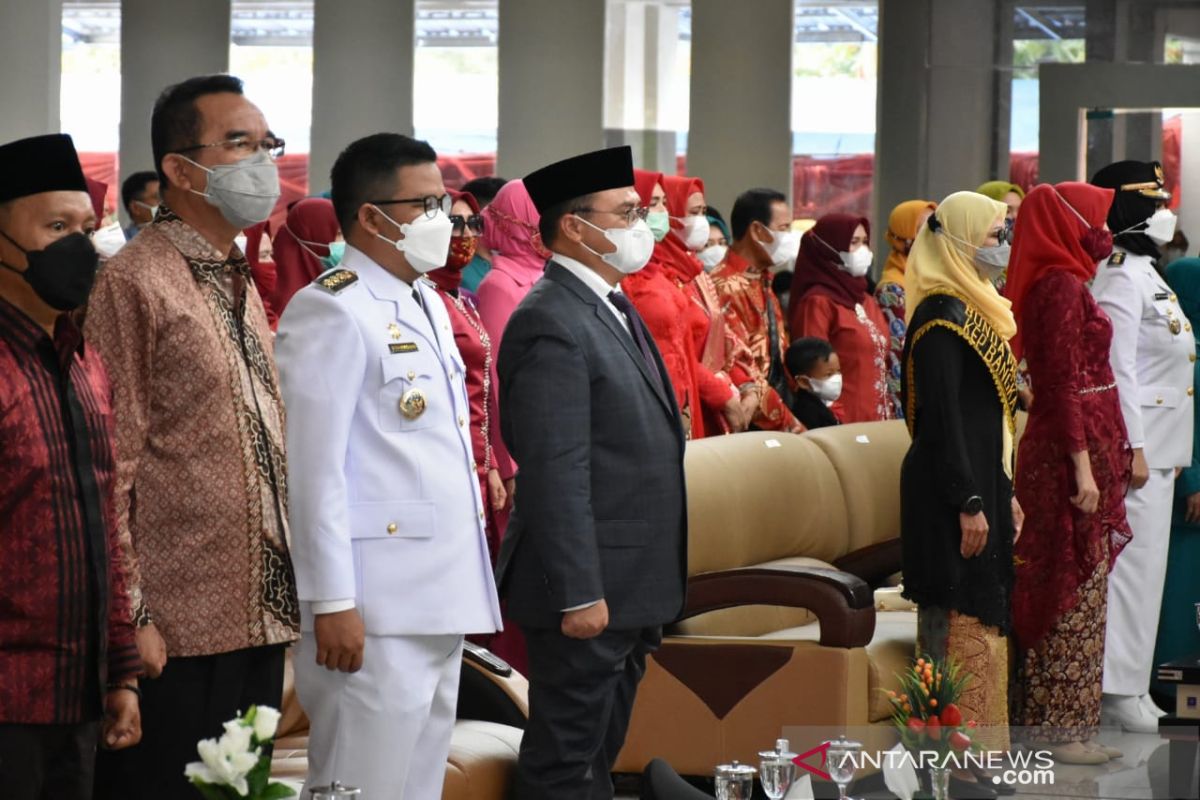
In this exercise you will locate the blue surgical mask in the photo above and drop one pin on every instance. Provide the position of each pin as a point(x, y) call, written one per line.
point(336, 251)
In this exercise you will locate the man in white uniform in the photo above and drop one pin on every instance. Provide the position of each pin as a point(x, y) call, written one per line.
point(1152, 354)
point(387, 521)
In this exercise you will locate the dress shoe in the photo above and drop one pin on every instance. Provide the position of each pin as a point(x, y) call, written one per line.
point(1076, 753)
point(1128, 712)
point(1151, 706)
point(1111, 752)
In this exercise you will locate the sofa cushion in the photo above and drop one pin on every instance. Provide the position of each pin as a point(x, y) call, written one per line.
point(755, 497)
point(866, 458)
point(482, 762)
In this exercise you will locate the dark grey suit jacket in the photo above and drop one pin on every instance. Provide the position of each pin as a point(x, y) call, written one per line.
point(600, 508)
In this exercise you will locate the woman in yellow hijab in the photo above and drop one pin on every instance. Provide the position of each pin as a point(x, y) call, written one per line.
point(906, 219)
point(958, 515)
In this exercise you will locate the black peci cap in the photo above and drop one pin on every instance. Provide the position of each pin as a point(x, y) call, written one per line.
point(579, 176)
point(40, 164)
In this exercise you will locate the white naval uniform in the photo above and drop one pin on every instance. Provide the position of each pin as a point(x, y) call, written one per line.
point(1152, 356)
point(386, 516)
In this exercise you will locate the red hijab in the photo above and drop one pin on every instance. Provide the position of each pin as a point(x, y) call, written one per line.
point(1048, 236)
point(96, 193)
point(819, 265)
point(263, 272)
point(681, 261)
point(448, 278)
point(313, 220)
point(644, 182)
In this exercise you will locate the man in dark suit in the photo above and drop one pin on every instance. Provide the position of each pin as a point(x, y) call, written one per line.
point(594, 561)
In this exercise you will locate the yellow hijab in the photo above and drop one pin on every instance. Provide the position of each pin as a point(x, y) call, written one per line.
point(902, 227)
point(938, 263)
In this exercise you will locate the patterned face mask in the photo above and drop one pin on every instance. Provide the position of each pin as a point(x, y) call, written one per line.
point(462, 250)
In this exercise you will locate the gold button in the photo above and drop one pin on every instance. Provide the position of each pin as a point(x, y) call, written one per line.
point(474, 465)
point(1170, 312)
point(1174, 298)
point(1192, 358)
point(481, 515)
point(412, 375)
point(1188, 327)
point(1158, 401)
point(1191, 391)
point(460, 422)
point(391, 528)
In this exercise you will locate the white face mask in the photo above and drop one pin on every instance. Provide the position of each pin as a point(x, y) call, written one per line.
point(1161, 226)
point(108, 241)
point(857, 263)
point(634, 246)
point(783, 249)
point(992, 261)
point(426, 241)
point(695, 231)
point(244, 192)
point(829, 390)
point(711, 257)
point(152, 210)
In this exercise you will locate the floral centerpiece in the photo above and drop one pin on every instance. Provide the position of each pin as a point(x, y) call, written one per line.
point(235, 765)
point(925, 710)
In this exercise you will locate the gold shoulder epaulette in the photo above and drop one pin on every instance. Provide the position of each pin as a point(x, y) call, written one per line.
point(336, 280)
point(1116, 259)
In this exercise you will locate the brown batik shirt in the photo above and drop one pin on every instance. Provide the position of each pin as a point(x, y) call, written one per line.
point(201, 493)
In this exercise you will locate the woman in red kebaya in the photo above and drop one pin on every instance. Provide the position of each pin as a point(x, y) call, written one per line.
point(830, 301)
point(1073, 468)
point(493, 465)
point(715, 344)
point(666, 312)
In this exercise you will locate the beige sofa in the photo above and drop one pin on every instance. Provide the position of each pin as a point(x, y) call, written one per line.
point(789, 536)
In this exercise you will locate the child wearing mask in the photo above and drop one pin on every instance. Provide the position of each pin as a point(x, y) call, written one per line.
point(816, 377)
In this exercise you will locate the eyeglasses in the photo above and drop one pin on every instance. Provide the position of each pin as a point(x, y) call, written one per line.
point(631, 216)
point(1005, 234)
point(461, 223)
point(431, 203)
point(243, 146)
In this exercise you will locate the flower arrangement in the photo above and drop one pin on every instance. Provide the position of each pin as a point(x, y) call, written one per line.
point(925, 710)
point(235, 765)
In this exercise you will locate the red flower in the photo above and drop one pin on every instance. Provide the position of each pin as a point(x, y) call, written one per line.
point(959, 741)
point(951, 716)
point(916, 725)
point(972, 724)
point(933, 727)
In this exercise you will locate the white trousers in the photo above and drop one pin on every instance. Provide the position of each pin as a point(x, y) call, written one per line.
point(1135, 587)
point(386, 728)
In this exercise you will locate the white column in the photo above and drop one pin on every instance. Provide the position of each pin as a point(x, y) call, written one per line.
point(161, 44)
point(742, 70)
point(31, 66)
point(551, 64)
point(362, 76)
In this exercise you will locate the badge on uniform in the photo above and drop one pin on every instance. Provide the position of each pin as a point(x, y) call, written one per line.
point(402, 347)
point(412, 404)
point(1117, 259)
point(337, 280)
point(1176, 326)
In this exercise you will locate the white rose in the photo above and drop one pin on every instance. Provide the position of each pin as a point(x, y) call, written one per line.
point(266, 723)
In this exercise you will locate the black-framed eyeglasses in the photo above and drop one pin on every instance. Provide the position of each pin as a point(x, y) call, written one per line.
point(430, 203)
point(631, 216)
point(244, 146)
point(461, 223)
point(1005, 234)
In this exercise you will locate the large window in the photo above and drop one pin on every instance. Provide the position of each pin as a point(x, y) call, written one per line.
point(833, 106)
point(456, 84)
point(90, 92)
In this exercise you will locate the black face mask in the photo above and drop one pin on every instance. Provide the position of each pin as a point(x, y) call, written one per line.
point(62, 273)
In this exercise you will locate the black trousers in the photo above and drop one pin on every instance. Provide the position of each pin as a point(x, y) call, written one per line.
point(581, 693)
point(190, 701)
point(47, 762)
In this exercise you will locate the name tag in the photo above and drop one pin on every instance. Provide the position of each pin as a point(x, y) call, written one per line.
point(403, 347)
point(1161, 296)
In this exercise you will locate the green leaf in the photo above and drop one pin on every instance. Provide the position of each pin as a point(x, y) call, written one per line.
point(211, 792)
point(276, 791)
point(257, 777)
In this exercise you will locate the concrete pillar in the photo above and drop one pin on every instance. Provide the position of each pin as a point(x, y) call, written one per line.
point(1189, 169)
point(551, 65)
point(740, 128)
point(640, 61)
point(161, 44)
point(935, 118)
point(362, 76)
point(31, 66)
